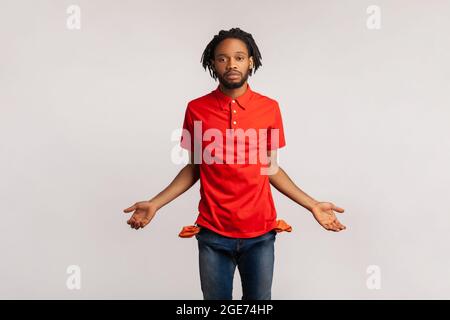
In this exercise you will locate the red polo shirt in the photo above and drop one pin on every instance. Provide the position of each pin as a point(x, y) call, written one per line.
point(236, 199)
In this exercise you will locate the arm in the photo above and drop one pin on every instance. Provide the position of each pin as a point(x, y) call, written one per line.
point(146, 210)
point(286, 186)
point(322, 211)
point(183, 181)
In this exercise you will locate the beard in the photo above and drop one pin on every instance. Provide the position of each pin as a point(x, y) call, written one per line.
point(233, 84)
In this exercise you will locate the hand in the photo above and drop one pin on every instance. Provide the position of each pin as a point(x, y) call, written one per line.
point(143, 214)
point(323, 213)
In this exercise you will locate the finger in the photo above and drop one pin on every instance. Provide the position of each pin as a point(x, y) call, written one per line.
point(336, 224)
point(338, 209)
point(145, 222)
point(334, 227)
point(129, 209)
point(332, 221)
point(340, 225)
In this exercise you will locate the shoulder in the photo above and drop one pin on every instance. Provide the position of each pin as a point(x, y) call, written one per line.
point(267, 101)
point(199, 102)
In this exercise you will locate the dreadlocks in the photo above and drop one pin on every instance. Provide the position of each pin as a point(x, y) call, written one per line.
point(253, 51)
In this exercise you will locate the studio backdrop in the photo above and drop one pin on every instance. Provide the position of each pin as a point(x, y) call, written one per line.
point(92, 100)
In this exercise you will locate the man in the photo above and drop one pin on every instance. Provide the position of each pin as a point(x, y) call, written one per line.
point(237, 217)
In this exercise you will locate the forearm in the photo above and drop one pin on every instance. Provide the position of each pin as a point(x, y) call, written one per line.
point(184, 180)
point(281, 181)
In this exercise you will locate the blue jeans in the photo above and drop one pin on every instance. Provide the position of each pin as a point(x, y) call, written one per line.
point(219, 256)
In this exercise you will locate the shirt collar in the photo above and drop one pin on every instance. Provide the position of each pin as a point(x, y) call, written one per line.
point(242, 101)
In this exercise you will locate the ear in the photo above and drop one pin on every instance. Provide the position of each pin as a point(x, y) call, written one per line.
point(252, 64)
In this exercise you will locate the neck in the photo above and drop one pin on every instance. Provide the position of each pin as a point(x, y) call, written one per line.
point(234, 93)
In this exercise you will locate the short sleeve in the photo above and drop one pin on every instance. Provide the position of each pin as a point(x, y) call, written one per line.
point(187, 135)
point(278, 134)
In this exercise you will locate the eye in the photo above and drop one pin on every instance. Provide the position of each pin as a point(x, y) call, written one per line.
point(240, 58)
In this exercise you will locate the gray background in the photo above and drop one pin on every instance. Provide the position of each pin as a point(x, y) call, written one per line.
point(86, 123)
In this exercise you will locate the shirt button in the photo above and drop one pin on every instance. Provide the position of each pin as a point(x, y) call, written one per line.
point(234, 122)
point(232, 101)
point(234, 111)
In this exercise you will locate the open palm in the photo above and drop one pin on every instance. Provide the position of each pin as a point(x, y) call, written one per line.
point(144, 212)
point(323, 212)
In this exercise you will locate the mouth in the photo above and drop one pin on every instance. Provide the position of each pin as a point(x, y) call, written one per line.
point(232, 75)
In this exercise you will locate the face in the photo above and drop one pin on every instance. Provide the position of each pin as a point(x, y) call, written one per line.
point(232, 63)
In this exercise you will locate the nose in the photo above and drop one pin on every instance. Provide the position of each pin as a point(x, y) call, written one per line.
point(231, 64)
